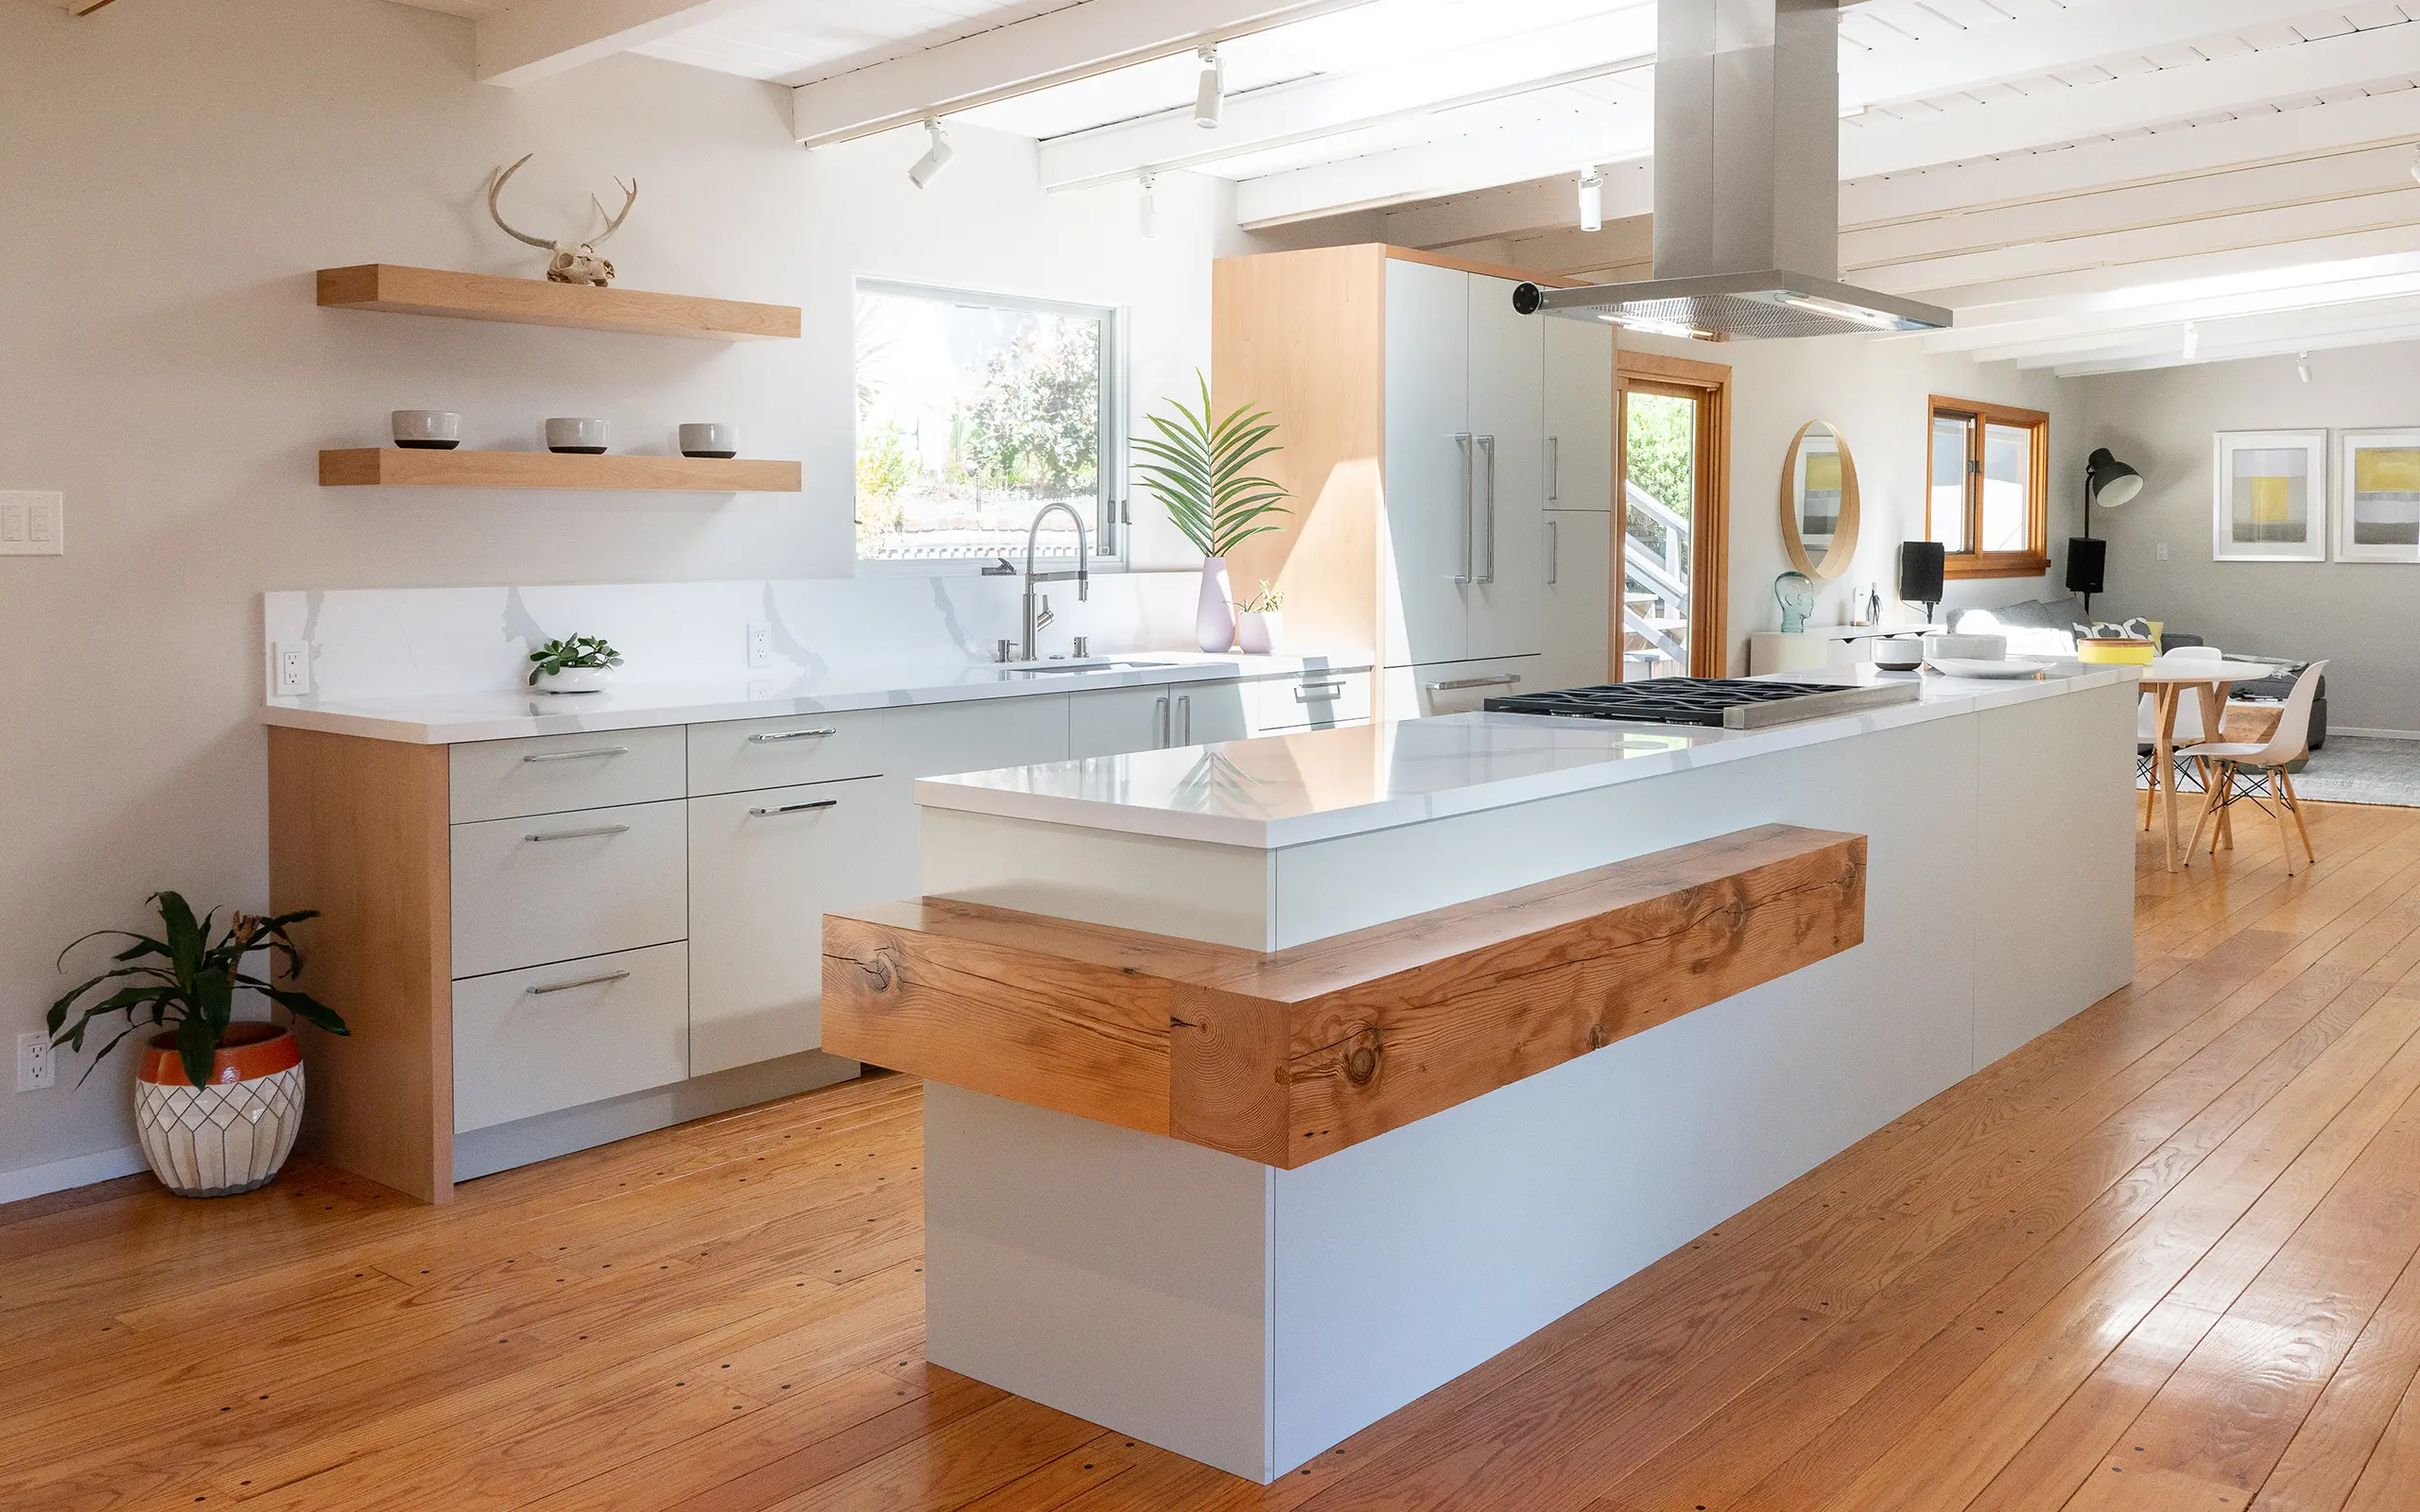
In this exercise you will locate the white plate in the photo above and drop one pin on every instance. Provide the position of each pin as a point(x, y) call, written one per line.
point(1961, 667)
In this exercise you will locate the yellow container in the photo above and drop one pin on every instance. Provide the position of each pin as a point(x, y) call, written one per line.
point(2117, 652)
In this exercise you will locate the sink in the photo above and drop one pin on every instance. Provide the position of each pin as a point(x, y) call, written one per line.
point(1069, 669)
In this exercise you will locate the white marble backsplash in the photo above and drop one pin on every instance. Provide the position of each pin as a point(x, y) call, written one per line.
point(388, 642)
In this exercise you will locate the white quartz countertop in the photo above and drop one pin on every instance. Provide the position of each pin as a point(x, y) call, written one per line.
point(1287, 790)
point(449, 718)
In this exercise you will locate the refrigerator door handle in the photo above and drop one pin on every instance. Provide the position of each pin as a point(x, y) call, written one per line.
point(1470, 490)
point(1487, 444)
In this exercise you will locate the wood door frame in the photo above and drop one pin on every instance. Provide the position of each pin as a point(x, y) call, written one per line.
point(1709, 385)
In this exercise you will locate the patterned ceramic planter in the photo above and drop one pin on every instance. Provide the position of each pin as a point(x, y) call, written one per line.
point(232, 1135)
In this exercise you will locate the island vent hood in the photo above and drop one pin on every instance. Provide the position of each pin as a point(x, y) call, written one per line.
point(1747, 186)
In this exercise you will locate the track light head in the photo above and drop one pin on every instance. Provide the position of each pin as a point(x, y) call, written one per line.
point(1150, 209)
point(1592, 199)
point(2415, 163)
point(936, 158)
point(2192, 346)
point(2302, 365)
point(1210, 95)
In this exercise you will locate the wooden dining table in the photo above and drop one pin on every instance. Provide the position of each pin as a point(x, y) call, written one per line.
point(2166, 679)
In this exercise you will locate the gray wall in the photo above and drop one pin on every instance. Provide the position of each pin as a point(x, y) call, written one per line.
point(173, 173)
point(2359, 615)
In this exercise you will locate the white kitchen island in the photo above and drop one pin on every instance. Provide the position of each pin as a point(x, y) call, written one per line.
point(1252, 1313)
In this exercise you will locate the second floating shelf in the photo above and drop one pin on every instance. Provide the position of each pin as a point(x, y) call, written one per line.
point(386, 467)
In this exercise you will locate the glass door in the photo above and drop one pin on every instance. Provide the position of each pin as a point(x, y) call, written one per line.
point(1661, 481)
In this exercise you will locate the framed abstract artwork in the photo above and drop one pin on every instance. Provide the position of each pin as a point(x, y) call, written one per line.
point(2377, 496)
point(2272, 503)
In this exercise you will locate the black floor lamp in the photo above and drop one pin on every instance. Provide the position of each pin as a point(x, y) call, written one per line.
point(2108, 483)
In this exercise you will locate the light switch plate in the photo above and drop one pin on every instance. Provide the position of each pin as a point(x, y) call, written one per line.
point(760, 645)
point(33, 523)
point(2162, 551)
point(292, 669)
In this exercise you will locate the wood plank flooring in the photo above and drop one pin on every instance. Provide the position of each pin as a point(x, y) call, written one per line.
point(2160, 1259)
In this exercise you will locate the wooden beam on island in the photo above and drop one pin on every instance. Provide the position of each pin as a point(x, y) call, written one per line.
point(1286, 1057)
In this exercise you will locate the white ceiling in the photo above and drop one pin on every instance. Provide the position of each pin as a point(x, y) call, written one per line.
point(2077, 178)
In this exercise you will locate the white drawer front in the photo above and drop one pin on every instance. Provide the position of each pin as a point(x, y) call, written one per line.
point(559, 885)
point(1315, 700)
point(935, 739)
point(741, 755)
point(1456, 687)
point(550, 774)
point(530, 1043)
point(763, 869)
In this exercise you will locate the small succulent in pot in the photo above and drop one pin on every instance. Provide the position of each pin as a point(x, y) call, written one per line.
point(1260, 628)
point(578, 664)
point(217, 1101)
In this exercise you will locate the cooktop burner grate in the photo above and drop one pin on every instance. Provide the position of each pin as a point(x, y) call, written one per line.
point(1722, 703)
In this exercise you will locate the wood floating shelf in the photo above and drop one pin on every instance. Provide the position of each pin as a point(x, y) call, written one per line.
point(536, 302)
point(390, 467)
point(1287, 1056)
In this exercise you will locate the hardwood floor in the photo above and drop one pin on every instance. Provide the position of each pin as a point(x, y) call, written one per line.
point(2159, 1258)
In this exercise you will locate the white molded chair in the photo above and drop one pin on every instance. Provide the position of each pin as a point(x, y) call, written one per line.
point(2189, 730)
point(2290, 743)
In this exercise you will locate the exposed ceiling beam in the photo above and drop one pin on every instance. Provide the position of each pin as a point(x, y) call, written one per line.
point(2372, 324)
point(2376, 336)
point(1984, 303)
point(539, 39)
point(1055, 47)
point(1331, 105)
point(2045, 323)
point(1610, 134)
point(2354, 301)
point(1483, 214)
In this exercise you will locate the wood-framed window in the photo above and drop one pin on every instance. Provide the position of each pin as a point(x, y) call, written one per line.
point(1989, 504)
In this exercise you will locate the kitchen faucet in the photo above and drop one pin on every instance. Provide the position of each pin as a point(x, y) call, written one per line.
point(1082, 575)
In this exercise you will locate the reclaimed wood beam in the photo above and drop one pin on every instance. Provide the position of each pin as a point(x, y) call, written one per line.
point(1286, 1057)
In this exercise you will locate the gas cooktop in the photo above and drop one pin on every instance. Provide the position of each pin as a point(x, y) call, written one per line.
point(1721, 703)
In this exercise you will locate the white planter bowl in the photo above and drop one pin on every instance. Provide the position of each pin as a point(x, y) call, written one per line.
point(575, 679)
point(1260, 634)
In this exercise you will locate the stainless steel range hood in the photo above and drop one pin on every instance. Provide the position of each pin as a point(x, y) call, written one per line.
point(1747, 186)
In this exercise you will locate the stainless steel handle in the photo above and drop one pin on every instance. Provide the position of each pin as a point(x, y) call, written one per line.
point(1184, 706)
point(794, 808)
point(1487, 444)
point(1554, 468)
point(565, 986)
point(1501, 680)
point(1470, 489)
point(776, 737)
point(1318, 692)
point(580, 835)
point(575, 755)
point(1554, 552)
point(1162, 711)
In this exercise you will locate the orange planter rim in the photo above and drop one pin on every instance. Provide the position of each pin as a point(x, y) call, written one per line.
point(249, 1052)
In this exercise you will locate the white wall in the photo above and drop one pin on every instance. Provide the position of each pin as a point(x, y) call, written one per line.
point(1876, 391)
point(175, 172)
point(2359, 615)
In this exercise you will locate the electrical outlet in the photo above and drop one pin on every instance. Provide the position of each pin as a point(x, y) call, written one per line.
point(36, 1068)
point(760, 645)
point(2162, 553)
point(293, 668)
point(33, 525)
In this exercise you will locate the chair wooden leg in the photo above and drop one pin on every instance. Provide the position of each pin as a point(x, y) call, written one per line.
point(2227, 823)
point(2294, 806)
point(2150, 794)
point(2209, 796)
point(2285, 837)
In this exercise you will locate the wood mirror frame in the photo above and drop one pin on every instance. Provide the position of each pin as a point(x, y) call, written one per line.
point(1844, 546)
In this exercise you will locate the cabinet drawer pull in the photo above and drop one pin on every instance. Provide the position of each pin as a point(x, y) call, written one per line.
point(775, 737)
point(565, 986)
point(1318, 692)
point(575, 755)
point(580, 835)
point(794, 808)
point(1501, 680)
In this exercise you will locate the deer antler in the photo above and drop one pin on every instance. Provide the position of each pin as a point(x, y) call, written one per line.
point(495, 187)
point(614, 223)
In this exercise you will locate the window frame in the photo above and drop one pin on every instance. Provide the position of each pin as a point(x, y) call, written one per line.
point(1109, 533)
point(1979, 414)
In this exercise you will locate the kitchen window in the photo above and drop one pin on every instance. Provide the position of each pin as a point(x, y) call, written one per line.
point(1989, 502)
point(975, 413)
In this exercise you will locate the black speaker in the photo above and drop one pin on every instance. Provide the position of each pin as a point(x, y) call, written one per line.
point(2087, 565)
point(1921, 563)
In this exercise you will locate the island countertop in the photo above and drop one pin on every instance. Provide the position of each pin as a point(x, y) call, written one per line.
point(1287, 790)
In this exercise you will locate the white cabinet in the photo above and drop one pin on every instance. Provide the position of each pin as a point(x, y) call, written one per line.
point(1580, 599)
point(764, 867)
point(1206, 713)
point(1508, 426)
point(554, 887)
point(1579, 414)
point(554, 1036)
point(1115, 720)
point(554, 774)
point(934, 740)
point(1456, 687)
point(744, 754)
point(1312, 700)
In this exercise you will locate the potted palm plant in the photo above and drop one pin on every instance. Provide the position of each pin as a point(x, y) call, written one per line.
point(1200, 470)
point(217, 1101)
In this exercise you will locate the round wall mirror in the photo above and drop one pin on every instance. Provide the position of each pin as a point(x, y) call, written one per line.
point(1819, 500)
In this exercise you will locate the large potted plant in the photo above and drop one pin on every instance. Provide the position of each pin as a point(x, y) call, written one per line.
point(217, 1101)
point(1200, 471)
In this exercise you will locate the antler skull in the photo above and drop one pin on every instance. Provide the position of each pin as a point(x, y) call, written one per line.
point(572, 261)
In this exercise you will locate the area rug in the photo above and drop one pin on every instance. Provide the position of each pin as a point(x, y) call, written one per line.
point(2363, 769)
